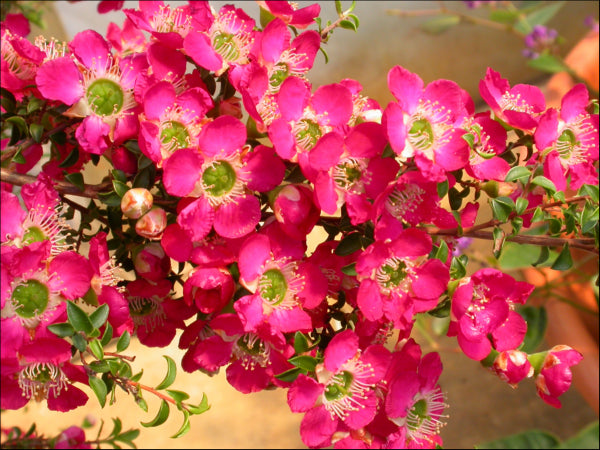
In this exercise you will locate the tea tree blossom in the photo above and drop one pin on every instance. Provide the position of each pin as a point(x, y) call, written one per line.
point(553, 377)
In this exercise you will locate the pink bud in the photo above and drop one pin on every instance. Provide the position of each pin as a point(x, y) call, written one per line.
point(295, 210)
point(554, 378)
point(512, 366)
point(231, 107)
point(136, 202)
point(151, 262)
point(124, 160)
point(152, 224)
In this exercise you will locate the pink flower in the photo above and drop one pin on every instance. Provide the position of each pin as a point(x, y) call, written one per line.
point(424, 123)
point(290, 14)
point(209, 289)
point(74, 436)
point(553, 378)
point(282, 287)
point(519, 106)
point(295, 210)
point(568, 141)
point(343, 391)
point(20, 62)
point(397, 280)
point(512, 366)
point(483, 307)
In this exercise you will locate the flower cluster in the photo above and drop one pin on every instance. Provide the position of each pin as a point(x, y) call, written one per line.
point(224, 158)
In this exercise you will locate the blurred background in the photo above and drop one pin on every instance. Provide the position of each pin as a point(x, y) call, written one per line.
point(482, 408)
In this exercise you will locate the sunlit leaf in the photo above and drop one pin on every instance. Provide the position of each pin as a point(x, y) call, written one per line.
point(161, 416)
point(170, 376)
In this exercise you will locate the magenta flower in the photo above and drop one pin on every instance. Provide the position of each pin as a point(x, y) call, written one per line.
point(350, 170)
point(282, 287)
point(74, 436)
point(519, 106)
point(209, 289)
point(343, 391)
point(98, 87)
point(483, 307)
point(295, 211)
point(43, 372)
point(19, 63)
point(553, 378)
point(424, 123)
point(397, 280)
point(568, 139)
point(512, 366)
point(222, 179)
point(290, 14)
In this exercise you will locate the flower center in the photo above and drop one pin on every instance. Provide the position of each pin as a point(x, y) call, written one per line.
point(348, 172)
point(174, 135)
point(105, 97)
point(219, 178)
point(147, 311)
point(339, 386)
point(307, 133)
point(569, 148)
point(280, 72)
point(421, 134)
point(251, 351)
point(423, 419)
point(225, 45)
point(37, 380)
point(392, 274)
point(403, 201)
point(273, 286)
point(33, 234)
point(30, 299)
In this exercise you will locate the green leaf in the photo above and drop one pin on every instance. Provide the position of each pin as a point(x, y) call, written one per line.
point(347, 25)
point(76, 179)
point(99, 316)
point(99, 389)
point(71, 158)
point(19, 123)
point(161, 416)
point(544, 254)
point(117, 427)
point(100, 366)
point(564, 260)
point(108, 334)
point(538, 215)
point(458, 267)
point(537, 320)
point(178, 396)
point(96, 348)
point(142, 404)
point(518, 173)
point(109, 198)
point(185, 427)
point(348, 245)
point(300, 343)
point(586, 438)
point(518, 256)
point(544, 14)
point(442, 189)
point(350, 269)
point(61, 329)
point(120, 188)
point(170, 376)
point(119, 175)
point(137, 376)
point(544, 182)
point(37, 131)
point(289, 375)
point(521, 205)
point(440, 24)
point(591, 190)
point(338, 8)
point(128, 436)
point(78, 318)
point(503, 16)
point(441, 252)
point(304, 362)
point(79, 342)
point(202, 407)
point(502, 207)
point(123, 341)
point(548, 63)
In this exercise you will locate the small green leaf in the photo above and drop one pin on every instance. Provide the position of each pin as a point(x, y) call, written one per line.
point(521, 205)
point(62, 329)
point(502, 207)
point(90, 298)
point(100, 366)
point(185, 427)
point(547, 63)
point(128, 436)
point(518, 173)
point(178, 396)
point(99, 316)
point(533, 439)
point(96, 348)
point(76, 179)
point(348, 245)
point(458, 267)
point(161, 416)
point(591, 190)
point(442, 189)
point(202, 407)
point(123, 341)
point(137, 376)
point(78, 318)
point(300, 343)
point(117, 427)
point(544, 182)
point(503, 16)
point(304, 362)
point(586, 438)
point(544, 254)
point(350, 269)
point(79, 342)
point(441, 252)
point(120, 188)
point(37, 131)
point(289, 375)
point(440, 24)
point(170, 376)
point(108, 334)
point(142, 404)
point(109, 198)
point(564, 260)
point(544, 14)
point(538, 215)
point(99, 389)
point(71, 158)
point(338, 8)
point(119, 175)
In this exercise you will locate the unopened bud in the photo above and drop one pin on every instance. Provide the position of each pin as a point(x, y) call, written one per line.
point(151, 262)
point(136, 202)
point(152, 224)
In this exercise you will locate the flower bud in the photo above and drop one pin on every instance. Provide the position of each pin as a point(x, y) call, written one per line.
point(554, 374)
point(124, 160)
point(136, 202)
point(151, 262)
point(512, 366)
point(152, 224)
point(295, 210)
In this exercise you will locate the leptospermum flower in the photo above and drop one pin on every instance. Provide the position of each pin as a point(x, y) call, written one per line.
point(290, 13)
point(554, 376)
point(512, 366)
point(397, 280)
point(98, 87)
point(569, 141)
point(483, 306)
point(43, 372)
point(19, 63)
point(519, 106)
point(343, 391)
point(171, 121)
point(350, 170)
point(282, 287)
point(220, 179)
point(425, 123)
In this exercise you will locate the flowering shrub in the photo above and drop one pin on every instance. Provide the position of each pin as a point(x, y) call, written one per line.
point(223, 158)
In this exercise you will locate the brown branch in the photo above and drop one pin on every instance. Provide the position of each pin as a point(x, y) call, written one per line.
point(62, 187)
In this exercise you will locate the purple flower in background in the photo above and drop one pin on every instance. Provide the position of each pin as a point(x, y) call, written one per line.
point(539, 40)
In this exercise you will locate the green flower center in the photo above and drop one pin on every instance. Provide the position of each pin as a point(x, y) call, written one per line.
point(30, 299)
point(339, 387)
point(251, 345)
point(392, 274)
point(566, 143)
point(421, 134)
point(346, 173)
point(226, 46)
point(174, 135)
point(280, 73)
point(273, 286)
point(308, 134)
point(142, 307)
point(219, 178)
point(105, 97)
point(33, 234)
